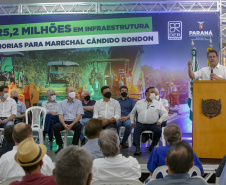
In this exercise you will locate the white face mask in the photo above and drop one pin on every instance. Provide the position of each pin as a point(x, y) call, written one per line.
point(53, 97)
point(71, 95)
point(157, 97)
point(152, 96)
point(5, 95)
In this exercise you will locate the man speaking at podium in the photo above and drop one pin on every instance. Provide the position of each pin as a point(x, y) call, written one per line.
point(214, 72)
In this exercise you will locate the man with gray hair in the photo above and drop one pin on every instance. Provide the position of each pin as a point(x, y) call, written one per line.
point(114, 165)
point(52, 118)
point(73, 166)
point(21, 108)
point(172, 135)
point(88, 106)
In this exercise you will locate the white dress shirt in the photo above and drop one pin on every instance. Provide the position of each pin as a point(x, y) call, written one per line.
point(107, 109)
point(118, 167)
point(8, 107)
point(149, 113)
point(50, 106)
point(10, 168)
point(164, 102)
point(204, 73)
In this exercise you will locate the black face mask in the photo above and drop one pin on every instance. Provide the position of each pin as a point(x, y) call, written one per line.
point(107, 95)
point(16, 99)
point(124, 94)
point(87, 98)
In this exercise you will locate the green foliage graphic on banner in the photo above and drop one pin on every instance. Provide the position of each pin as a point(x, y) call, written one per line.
point(76, 28)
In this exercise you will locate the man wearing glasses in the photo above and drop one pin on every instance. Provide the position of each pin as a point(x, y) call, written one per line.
point(150, 115)
point(52, 118)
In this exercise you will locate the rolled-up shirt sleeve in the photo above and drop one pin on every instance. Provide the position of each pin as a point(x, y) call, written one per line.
point(14, 108)
point(95, 111)
point(163, 113)
point(133, 114)
point(198, 74)
point(117, 115)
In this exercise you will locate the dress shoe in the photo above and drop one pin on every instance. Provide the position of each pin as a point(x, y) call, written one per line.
point(138, 151)
point(59, 149)
point(84, 141)
point(145, 137)
point(124, 145)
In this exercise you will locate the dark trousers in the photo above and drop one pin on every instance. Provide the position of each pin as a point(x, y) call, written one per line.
point(142, 127)
point(59, 127)
point(50, 121)
point(110, 125)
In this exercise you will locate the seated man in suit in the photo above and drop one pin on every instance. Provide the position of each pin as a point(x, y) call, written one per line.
point(70, 112)
point(114, 165)
point(180, 158)
point(151, 114)
point(172, 135)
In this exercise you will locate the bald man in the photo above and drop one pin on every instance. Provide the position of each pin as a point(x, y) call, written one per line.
point(70, 112)
point(8, 166)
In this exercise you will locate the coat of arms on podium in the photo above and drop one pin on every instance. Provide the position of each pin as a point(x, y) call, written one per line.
point(211, 108)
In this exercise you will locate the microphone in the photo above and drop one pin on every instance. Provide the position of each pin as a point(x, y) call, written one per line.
point(211, 73)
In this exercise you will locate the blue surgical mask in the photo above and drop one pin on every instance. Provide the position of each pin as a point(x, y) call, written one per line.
point(5, 95)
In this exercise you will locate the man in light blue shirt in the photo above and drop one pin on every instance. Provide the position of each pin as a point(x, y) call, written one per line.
point(70, 112)
point(93, 129)
point(180, 158)
point(21, 108)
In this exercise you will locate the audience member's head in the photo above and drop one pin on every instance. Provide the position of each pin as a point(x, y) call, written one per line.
point(73, 166)
point(70, 91)
point(21, 131)
point(109, 143)
point(29, 156)
point(106, 91)
point(172, 134)
point(51, 94)
point(180, 158)
point(8, 134)
point(85, 95)
point(93, 128)
point(14, 95)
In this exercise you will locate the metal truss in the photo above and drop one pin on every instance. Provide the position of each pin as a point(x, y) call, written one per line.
point(110, 7)
point(223, 32)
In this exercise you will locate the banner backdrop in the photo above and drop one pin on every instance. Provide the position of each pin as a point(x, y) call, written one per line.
point(40, 52)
